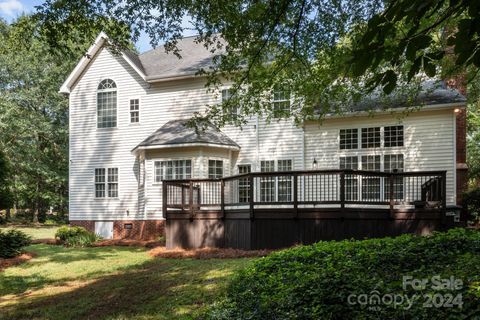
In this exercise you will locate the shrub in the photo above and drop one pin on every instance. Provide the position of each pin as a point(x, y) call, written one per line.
point(82, 240)
point(316, 281)
point(76, 236)
point(471, 200)
point(12, 243)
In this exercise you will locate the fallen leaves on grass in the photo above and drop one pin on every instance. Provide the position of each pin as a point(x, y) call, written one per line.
point(5, 263)
point(206, 253)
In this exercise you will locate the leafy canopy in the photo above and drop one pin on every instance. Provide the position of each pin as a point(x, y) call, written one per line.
point(326, 53)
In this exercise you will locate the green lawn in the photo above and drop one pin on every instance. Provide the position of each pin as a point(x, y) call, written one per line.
point(110, 283)
point(35, 231)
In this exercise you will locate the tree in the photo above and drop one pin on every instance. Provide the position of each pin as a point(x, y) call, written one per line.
point(34, 115)
point(327, 53)
point(5, 193)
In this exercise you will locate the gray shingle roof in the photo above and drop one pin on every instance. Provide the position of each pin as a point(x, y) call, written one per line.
point(157, 63)
point(177, 132)
point(432, 92)
point(133, 56)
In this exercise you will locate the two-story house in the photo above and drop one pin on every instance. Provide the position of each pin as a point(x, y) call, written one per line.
point(128, 135)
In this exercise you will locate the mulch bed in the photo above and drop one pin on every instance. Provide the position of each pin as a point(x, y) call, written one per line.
point(5, 263)
point(129, 243)
point(206, 253)
point(46, 241)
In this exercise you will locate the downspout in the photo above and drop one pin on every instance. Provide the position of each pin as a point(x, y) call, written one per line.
point(257, 160)
point(303, 147)
point(454, 172)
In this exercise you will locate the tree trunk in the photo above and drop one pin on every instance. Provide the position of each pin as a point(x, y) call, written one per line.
point(7, 215)
point(37, 205)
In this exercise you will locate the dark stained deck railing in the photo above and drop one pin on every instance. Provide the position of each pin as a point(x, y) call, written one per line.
point(298, 190)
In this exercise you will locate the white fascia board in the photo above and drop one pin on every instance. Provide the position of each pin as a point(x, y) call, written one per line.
point(77, 71)
point(87, 58)
point(428, 107)
point(185, 145)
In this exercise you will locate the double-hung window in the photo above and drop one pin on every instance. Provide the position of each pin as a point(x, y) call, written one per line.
point(106, 183)
point(112, 180)
point(134, 110)
point(229, 105)
point(284, 182)
point(244, 184)
point(371, 137)
point(215, 169)
point(173, 170)
point(351, 181)
point(267, 184)
point(394, 163)
point(371, 184)
point(276, 188)
point(281, 100)
point(107, 104)
point(348, 139)
point(393, 136)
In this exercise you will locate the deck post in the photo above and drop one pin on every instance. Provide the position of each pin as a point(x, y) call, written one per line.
point(222, 197)
point(391, 194)
point(444, 192)
point(182, 189)
point(190, 200)
point(250, 196)
point(295, 195)
point(342, 191)
point(164, 198)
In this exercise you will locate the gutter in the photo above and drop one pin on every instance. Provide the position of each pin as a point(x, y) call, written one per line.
point(428, 107)
point(183, 145)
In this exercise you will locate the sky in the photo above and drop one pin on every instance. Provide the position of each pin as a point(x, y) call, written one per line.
point(10, 9)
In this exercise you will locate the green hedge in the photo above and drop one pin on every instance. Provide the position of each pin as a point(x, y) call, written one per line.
point(76, 236)
point(471, 201)
point(12, 243)
point(346, 279)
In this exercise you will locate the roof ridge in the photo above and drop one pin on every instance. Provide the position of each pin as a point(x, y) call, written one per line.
point(163, 44)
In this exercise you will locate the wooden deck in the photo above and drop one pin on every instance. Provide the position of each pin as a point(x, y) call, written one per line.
point(280, 209)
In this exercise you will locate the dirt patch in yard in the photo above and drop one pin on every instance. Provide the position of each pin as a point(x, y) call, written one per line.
point(206, 253)
point(6, 263)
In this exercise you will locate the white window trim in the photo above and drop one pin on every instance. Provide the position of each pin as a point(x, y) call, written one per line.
point(130, 123)
point(238, 109)
point(217, 159)
point(96, 104)
point(272, 100)
point(106, 198)
point(275, 169)
point(154, 183)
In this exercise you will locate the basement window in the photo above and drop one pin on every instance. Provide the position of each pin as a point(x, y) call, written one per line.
point(128, 226)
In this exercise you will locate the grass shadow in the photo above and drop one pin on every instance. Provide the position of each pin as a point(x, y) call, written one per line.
point(156, 289)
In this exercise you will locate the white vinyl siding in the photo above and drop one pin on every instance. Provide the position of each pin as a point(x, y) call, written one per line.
point(428, 140)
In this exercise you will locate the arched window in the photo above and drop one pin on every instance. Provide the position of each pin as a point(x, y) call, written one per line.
point(107, 104)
